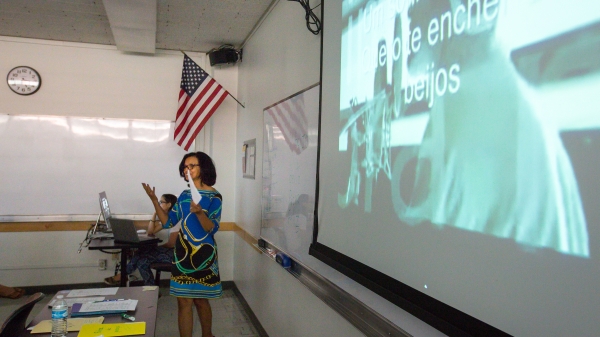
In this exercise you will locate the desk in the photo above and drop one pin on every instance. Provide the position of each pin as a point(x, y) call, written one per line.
point(144, 312)
point(101, 244)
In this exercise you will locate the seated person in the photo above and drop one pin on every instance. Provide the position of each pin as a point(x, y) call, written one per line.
point(10, 292)
point(145, 256)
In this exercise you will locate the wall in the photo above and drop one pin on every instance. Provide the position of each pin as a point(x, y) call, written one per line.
point(100, 81)
point(280, 59)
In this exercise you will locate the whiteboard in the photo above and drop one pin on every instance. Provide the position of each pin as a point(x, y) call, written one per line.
point(59, 165)
point(290, 138)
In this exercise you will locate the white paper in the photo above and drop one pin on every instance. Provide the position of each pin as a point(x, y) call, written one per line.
point(72, 300)
point(116, 305)
point(195, 194)
point(93, 292)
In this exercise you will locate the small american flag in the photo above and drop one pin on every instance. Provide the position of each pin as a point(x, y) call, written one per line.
point(199, 97)
point(291, 120)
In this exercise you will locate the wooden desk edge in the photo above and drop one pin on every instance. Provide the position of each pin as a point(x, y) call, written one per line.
point(7, 227)
point(74, 226)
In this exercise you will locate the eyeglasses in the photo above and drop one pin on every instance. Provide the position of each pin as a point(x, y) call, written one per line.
point(190, 166)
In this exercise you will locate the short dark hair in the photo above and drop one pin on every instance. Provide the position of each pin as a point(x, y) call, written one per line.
point(208, 172)
point(171, 199)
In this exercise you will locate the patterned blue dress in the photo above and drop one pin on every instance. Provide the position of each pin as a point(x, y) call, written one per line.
point(195, 271)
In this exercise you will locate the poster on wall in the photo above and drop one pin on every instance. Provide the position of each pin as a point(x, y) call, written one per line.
point(248, 159)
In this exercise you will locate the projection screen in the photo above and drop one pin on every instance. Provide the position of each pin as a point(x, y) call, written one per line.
point(458, 160)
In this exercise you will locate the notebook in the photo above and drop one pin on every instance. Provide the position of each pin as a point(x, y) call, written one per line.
point(113, 329)
point(105, 210)
point(124, 232)
point(103, 232)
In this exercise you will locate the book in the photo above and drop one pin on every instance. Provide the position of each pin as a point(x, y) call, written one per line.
point(112, 329)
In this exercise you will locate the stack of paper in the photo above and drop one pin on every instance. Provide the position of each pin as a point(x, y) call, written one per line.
point(71, 301)
point(106, 307)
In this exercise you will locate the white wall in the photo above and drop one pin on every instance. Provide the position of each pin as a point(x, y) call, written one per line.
point(100, 81)
point(280, 59)
point(282, 305)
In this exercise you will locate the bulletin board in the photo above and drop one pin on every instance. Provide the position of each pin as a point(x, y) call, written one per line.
point(289, 172)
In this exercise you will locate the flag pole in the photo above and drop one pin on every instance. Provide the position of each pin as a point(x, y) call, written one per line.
point(227, 90)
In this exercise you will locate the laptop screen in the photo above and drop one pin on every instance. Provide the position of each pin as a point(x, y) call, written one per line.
point(105, 209)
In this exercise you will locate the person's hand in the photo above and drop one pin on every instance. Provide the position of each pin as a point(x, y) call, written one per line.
point(195, 208)
point(150, 191)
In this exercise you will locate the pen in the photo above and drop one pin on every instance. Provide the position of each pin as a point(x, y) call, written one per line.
point(113, 300)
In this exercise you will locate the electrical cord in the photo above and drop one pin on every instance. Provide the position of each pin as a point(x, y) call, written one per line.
point(86, 241)
point(311, 18)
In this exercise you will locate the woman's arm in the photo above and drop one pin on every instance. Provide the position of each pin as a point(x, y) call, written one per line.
point(206, 223)
point(161, 213)
point(152, 227)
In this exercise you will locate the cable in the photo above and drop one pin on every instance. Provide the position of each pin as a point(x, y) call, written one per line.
point(86, 240)
point(311, 19)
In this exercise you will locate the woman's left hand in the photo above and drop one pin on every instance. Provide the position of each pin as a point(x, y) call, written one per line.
point(195, 208)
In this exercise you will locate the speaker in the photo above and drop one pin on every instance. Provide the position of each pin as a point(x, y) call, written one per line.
point(223, 56)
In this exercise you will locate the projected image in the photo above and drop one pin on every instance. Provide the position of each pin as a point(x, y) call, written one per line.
point(473, 122)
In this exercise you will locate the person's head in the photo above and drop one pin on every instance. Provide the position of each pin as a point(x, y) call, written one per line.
point(167, 201)
point(200, 165)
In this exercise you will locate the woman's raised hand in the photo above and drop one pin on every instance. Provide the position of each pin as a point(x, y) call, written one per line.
point(150, 191)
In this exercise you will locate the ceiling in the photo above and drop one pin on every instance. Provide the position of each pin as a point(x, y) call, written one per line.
point(136, 25)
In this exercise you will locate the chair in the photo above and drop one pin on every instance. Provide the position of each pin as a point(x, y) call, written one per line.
point(159, 266)
point(14, 325)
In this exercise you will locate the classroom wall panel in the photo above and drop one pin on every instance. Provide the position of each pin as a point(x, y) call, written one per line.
point(92, 80)
point(282, 305)
point(280, 59)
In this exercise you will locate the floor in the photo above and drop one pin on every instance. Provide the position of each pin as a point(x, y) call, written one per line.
point(230, 318)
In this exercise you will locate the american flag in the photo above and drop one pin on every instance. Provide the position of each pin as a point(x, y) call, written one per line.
point(291, 120)
point(199, 97)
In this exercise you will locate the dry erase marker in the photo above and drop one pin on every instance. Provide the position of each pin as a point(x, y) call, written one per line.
point(131, 318)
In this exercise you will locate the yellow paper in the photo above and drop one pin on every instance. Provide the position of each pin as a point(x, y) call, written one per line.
point(114, 329)
point(73, 324)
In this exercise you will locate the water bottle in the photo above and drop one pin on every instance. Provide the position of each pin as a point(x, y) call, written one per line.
point(60, 311)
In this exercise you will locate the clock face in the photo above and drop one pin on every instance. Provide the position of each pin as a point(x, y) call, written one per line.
point(24, 80)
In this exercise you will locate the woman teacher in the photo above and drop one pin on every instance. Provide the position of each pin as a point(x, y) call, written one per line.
point(195, 273)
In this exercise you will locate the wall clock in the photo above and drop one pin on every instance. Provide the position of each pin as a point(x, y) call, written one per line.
point(24, 80)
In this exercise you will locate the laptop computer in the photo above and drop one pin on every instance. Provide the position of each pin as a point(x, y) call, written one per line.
point(103, 231)
point(105, 209)
point(124, 232)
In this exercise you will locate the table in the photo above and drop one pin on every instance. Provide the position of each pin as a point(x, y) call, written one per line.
point(103, 243)
point(145, 310)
